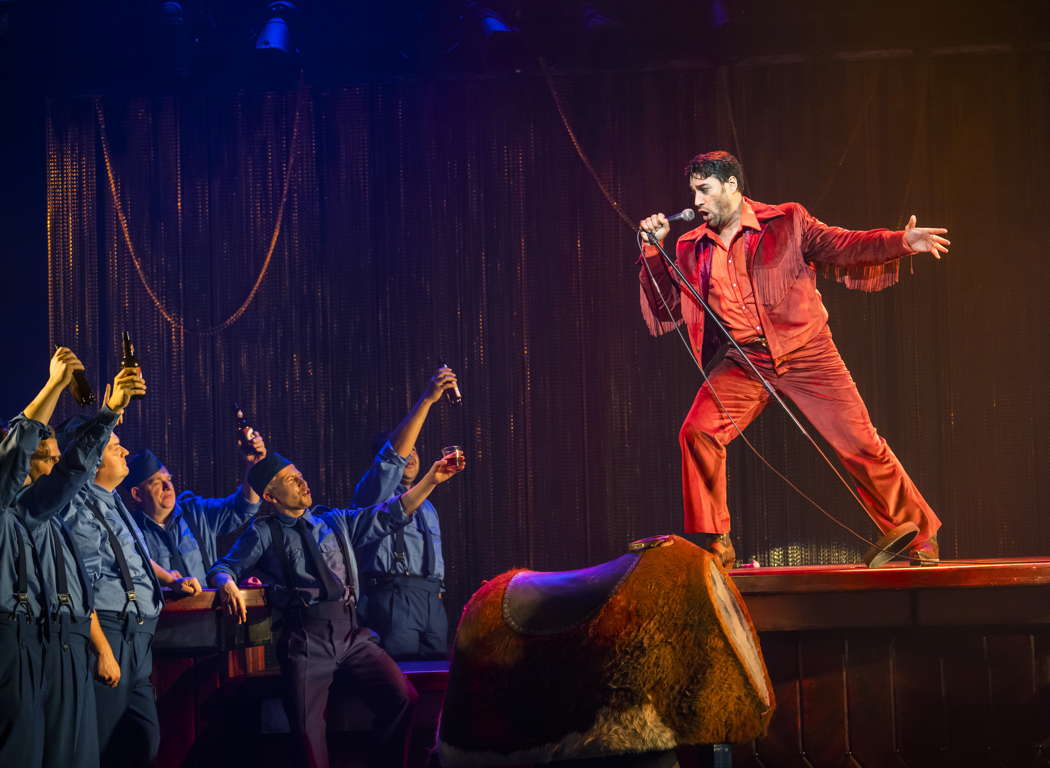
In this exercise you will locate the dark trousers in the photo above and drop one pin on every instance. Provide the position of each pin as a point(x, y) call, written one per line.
point(70, 726)
point(409, 615)
point(320, 656)
point(128, 727)
point(816, 380)
point(21, 693)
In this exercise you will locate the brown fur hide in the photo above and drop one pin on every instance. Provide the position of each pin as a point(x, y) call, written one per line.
point(652, 670)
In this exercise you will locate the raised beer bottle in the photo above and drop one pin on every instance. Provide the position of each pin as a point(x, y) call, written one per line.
point(80, 389)
point(245, 431)
point(455, 397)
point(128, 359)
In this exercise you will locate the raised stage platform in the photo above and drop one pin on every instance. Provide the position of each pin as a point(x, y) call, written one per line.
point(900, 666)
point(904, 666)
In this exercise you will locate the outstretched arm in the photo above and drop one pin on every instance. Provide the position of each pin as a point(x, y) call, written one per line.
point(63, 364)
point(405, 434)
point(440, 471)
point(27, 431)
point(52, 492)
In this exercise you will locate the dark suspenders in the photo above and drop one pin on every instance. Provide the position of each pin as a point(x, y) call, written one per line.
point(22, 585)
point(400, 552)
point(122, 564)
point(278, 541)
point(61, 581)
point(277, 535)
point(348, 564)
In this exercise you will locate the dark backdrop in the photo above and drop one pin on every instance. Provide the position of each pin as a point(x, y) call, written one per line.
point(429, 218)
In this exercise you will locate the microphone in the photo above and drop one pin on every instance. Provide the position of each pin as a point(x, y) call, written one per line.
point(687, 214)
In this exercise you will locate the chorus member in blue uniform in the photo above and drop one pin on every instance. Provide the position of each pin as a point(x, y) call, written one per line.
point(69, 722)
point(23, 591)
point(402, 574)
point(305, 554)
point(128, 599)
point(182, 531)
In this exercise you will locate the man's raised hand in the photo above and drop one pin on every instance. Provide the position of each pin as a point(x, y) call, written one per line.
point(126, 384)
point(657, 224)
point(63, 364)
point(443, 379)
point(925, 239)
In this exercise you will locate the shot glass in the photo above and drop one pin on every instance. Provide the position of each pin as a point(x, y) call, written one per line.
point(454, 456)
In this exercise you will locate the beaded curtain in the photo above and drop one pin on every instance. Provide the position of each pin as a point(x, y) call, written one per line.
point(429, 219)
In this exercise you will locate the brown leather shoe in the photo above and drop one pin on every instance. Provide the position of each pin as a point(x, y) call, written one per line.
point(927, 554)
point(721, 546)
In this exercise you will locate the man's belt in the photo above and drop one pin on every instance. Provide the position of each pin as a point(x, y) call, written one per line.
point(425, 583)
point(329, 610)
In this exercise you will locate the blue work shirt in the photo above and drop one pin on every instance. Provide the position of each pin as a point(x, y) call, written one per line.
point(99, 562)
point(15, 451)
point(38, 506)
point(379, 483)
point(252, 554)
point(211, 518)
point(16, 448)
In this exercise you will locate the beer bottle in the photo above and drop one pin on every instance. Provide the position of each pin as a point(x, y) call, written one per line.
point(128, 359)
point(455, 397)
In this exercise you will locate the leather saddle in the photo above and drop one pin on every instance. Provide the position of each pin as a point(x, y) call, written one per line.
point(549, 602)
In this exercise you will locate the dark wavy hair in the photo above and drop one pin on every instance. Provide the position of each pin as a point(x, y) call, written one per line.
point(719, 164)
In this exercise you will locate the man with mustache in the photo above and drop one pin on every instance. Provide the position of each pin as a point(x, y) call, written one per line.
point(755, 265)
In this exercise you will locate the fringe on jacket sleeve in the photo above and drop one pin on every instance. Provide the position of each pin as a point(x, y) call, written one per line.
point(869, 278)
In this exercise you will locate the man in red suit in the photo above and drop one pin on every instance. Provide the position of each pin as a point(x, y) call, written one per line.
point(756, 266)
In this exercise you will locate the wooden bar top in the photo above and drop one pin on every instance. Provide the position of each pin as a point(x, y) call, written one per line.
point(208, 600)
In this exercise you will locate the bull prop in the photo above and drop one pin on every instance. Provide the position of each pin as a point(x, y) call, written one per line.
point(641, 654)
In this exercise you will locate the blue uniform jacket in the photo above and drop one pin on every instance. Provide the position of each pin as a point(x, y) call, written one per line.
point(15, 450)
point(379, 483)
point(252, 554)
point(38, 505)
point(99, 563)
point(211, 518)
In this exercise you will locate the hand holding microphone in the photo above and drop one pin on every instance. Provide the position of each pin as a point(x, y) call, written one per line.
point(658, 226)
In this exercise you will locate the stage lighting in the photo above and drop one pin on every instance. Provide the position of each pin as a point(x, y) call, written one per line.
point(174, 42)
point(276, 32)
point(597, 22)
point(493, 27)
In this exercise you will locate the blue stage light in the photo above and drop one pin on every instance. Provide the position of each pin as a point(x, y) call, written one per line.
point(276, 33)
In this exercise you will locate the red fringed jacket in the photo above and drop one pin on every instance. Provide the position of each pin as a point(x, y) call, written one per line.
point(783, 259)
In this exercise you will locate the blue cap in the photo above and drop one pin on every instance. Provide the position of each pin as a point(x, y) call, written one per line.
point(262, 472)
point(141, 467)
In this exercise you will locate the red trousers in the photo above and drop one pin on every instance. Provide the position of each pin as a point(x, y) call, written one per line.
point(816, 380)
